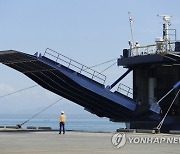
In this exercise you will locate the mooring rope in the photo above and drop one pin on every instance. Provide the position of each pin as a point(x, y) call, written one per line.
point(18, 91)
point(162, 121)
point(19, 125)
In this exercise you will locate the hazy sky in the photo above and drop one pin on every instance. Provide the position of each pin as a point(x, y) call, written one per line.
point(89, 31)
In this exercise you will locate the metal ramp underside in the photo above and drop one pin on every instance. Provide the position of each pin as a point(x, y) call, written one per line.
point(72, 81)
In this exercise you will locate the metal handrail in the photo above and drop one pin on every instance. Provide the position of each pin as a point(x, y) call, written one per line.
point(72, 63)
point(151, 49)
point(129, 91)
point(126, 89)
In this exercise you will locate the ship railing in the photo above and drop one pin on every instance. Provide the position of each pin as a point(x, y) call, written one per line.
point(74, 65)
point(129, 92)
point(153, 49)
point(125, 90)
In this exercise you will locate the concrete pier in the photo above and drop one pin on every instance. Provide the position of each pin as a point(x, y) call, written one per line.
point(78, 142)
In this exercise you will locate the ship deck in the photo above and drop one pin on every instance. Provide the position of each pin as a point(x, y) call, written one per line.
point(150, 59)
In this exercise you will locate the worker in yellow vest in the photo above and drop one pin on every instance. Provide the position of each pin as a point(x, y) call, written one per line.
point(62, 119)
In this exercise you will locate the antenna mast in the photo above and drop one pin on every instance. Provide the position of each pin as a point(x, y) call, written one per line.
point(166, 24)
point(130, 22)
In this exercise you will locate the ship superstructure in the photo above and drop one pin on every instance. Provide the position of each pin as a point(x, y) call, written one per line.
point(156, 68)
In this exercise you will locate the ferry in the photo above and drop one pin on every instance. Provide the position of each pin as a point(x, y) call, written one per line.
point(153, 102)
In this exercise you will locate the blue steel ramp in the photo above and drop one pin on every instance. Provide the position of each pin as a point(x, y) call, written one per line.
point(73, 81)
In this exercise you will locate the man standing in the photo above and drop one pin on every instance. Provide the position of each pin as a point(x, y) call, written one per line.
point(62, 119)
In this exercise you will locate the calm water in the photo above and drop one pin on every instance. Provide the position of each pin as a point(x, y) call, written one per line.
point(73, 123)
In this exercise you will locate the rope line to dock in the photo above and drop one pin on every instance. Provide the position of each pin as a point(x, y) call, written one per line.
point(38, 85)
point(162, 121)
point(19, 125)
point(18, 91)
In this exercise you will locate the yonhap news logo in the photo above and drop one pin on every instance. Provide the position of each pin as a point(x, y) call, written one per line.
point(119, 140)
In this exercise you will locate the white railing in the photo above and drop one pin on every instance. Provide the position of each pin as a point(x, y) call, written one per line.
point(153, 49)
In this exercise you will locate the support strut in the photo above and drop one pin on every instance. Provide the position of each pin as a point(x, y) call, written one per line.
point(120, 78)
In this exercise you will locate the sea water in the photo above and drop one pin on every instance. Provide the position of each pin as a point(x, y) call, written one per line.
point(77, 122)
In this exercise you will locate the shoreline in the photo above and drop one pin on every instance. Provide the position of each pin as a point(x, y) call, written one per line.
point(49, 129)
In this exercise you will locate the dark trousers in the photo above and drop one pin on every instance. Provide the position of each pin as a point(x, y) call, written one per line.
point(62, 126)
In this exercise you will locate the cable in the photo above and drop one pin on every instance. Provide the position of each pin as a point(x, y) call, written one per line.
point(162, 121)
point(98, 64)
point(103, 63)
point(18, 91)
point(19, 125)
point(108, 67)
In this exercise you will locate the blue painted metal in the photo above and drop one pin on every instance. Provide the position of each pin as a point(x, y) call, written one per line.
point(176, 85)
point(148, 60)
point(72, 64)
point(73, 81)
point(80, 84)
point(120, 78)
point(90, 84)
point(155, 106)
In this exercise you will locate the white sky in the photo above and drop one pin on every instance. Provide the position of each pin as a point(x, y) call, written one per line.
point(88, 31)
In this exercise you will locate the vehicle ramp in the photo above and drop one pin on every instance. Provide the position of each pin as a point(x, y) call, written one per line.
point(73, 81)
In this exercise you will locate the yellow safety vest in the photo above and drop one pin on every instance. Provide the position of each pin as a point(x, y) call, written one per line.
point(62, 118)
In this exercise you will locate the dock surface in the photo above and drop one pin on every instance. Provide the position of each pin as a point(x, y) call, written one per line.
point(78, 142)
